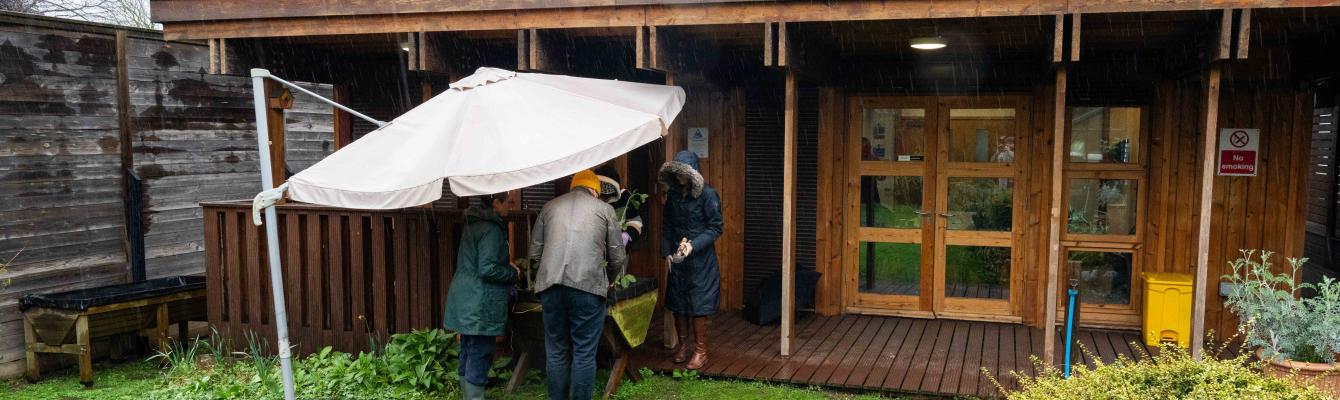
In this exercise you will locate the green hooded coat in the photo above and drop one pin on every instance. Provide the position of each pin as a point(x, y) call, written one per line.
point(477, 300)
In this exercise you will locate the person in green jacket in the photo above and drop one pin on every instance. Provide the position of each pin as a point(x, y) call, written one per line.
point(477, 301)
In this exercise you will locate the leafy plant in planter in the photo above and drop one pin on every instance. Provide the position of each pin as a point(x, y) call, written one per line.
point(528, 267)
point(1291, 332)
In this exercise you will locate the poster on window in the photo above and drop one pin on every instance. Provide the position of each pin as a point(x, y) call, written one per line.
point(1238, 150)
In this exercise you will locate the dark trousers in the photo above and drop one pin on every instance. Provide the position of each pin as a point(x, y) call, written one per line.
point(476, 358)
point(573, 321)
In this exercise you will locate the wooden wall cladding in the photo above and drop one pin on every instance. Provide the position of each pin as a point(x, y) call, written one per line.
point(61, 161)
point(721, 111)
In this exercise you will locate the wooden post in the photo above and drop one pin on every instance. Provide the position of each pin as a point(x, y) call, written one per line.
point(30, 356)
point(671, 140)
point(279, 99)
point(1244, 34)
point(81, 335)
point(1054, 218)
point(134, 235)
point(343, 125)
point(1203, 224)
point(788, 214)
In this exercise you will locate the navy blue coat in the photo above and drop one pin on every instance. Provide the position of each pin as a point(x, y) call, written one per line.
point(693, 212)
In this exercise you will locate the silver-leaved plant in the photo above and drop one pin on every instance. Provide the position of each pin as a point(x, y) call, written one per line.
point(1275, 317)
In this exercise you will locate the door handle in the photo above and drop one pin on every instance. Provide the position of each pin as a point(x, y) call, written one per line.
point(923, 212)
point(947, 214)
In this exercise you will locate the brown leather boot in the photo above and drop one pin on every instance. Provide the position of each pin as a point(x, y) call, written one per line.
point(700, 344)
point(683, 326)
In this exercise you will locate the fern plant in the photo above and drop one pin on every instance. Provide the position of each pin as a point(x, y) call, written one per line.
point(1274, 317)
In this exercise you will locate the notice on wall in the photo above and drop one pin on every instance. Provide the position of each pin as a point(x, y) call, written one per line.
point(698, 141)
point(1238, 151)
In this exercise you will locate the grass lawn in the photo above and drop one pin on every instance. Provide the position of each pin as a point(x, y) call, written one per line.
point(132, 380)
point(901, 262)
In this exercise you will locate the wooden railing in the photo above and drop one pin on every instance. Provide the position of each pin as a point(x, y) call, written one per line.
point(348, 274)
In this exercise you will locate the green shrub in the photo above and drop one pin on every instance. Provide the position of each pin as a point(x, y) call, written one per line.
point(411, 365)
point(1274, 317)
point(1172, 374)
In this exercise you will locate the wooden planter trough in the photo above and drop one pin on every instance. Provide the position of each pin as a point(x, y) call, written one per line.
point(66, 322)
point(629, 317)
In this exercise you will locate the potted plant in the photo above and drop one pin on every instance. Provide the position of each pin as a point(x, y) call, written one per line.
point(1295, 337)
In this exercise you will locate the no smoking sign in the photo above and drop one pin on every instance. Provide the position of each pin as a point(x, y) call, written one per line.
point(1238, 149)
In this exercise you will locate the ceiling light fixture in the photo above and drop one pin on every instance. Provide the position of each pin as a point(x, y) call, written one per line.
point(928, 43)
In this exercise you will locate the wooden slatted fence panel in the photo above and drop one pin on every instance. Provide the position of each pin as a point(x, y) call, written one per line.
point(349, 275)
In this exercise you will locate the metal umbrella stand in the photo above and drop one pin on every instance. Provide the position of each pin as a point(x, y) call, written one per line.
point(265, 201)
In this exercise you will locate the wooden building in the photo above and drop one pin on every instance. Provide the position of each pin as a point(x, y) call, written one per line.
point(950, 163)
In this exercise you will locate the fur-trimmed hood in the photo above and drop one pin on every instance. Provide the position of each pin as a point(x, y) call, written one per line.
point(685, 164)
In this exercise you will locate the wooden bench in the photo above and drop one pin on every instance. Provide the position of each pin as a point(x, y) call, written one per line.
point(67, 322)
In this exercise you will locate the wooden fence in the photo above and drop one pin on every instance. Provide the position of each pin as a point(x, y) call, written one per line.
point(349, 275)
point(112, 136)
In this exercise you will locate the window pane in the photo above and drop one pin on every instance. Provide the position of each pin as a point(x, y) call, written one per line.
point(890, 268)
point(893, 134)
point(1104, 277)
point(978, 272)
point(981, 204)
point(890, 201)
point(1105, 134)
point(981, 135)
point(1102, 206)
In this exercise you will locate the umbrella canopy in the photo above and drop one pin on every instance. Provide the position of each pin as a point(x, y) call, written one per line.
point(493, 131)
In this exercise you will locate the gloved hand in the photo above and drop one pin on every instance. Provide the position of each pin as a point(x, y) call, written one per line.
point(626, 238)
point(682, 252)
point(685, 248)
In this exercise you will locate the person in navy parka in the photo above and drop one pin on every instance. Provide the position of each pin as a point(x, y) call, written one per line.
point(692, 225)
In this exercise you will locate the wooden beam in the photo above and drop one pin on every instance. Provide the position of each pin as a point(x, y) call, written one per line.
point(213, 55)
point(1074, 36)
point(641, 47)
point(279, 99)
point(523, 49)
point(543, 51)
point(669, 49)
point(670, 144)
point(790, 127)
point(317, 21)
point(411, 42)
point(783, 46)
point(133, 239)
point(769, 44)
point(1208, 141)
point(1058, 39)
point(1224, 45)
point(343, 125)
point(1054, 218)
point(1244, 33)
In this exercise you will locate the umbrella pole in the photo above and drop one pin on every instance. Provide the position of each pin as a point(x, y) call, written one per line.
point(271, 231)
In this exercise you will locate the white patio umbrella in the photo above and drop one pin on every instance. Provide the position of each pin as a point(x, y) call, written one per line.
point(491, 132)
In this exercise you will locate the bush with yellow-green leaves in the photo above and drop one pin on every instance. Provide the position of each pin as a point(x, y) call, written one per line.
point(1171, 374)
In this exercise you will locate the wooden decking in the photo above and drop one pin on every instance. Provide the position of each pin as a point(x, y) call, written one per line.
point(943, 357)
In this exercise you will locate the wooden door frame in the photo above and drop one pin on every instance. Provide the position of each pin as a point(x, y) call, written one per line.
point(979, 309)
point(932, 272)
point(895, 305)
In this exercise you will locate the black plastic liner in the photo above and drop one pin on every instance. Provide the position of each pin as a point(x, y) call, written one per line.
point(82, 299)
point(641, 287)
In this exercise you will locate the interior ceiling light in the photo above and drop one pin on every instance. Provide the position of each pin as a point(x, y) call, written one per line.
point(928, 43)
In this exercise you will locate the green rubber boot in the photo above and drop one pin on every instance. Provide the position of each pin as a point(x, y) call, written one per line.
point(470, 391)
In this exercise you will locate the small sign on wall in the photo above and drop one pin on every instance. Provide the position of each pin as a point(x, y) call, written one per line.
point(1238, 151)
point(698, 141)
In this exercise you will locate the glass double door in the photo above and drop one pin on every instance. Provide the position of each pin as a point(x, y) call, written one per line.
point(937, 206)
